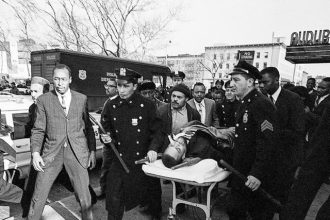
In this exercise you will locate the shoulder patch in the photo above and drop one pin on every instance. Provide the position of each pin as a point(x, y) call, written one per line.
point(266, 125)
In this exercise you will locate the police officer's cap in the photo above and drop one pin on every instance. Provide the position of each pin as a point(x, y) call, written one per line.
point(246, 69)
point(179, 74)
point(147, 85)
point(127, 74)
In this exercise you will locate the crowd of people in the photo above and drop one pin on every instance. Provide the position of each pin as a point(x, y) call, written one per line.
point(278, 138)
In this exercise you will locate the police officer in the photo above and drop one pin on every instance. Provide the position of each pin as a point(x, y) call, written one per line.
point(226, 110)
point(177, 78)
point(134, 129)
point(252, 153)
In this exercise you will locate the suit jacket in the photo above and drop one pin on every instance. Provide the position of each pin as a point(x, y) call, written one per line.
point(313, 117)
point(54, 128)
point(165, 113)
point(211, 118)
point(291, 124)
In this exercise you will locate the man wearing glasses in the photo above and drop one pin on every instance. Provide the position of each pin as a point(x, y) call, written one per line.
point(112, 93)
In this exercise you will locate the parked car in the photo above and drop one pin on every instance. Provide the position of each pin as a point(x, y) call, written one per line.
point(14, 113)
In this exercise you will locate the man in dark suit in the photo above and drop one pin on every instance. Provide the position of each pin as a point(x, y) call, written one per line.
point(321, 102)
point(311, 175)
point(253, 146)
point(206, 107)
point(148, 90)
point(64, 132)
point(310, 85)
point(134, 128)
point(291, 129)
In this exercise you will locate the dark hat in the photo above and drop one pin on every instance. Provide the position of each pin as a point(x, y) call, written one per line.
point(247, 69)
point(178, 74)
point(147, 85)
point(127, 74)
point(182, 88)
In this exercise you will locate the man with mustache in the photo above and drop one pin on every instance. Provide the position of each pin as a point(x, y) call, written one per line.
point(177, 113)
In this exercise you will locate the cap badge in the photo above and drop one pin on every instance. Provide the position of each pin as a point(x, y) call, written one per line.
point(122, 72)
point(245, 117)
point(176, 73)
point(134, 121)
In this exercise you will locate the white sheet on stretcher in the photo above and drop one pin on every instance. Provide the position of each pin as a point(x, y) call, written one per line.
point(206, 170)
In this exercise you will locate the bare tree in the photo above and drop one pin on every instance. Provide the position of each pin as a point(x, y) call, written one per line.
point(212, 65)
point(25, 14)
point(111, 27)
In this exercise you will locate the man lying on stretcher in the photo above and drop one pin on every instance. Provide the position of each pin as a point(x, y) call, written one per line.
point(198, 141)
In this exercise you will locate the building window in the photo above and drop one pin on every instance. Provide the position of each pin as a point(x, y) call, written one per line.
point(227, 65)
point(220, 66)
point(221, 56)
point(214, 65)
point(265, 65)
point(258, 54)
point(214, 56)
point(235, 55)
point(266, 54)
point(228, 56)
point(257, 65)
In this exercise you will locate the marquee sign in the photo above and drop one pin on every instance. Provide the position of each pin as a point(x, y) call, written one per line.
point(309, 47)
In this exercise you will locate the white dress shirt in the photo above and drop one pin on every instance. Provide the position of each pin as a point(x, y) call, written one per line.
point(276, 94)
point(67, 99)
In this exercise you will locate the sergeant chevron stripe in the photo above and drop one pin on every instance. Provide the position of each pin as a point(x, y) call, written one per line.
point(266, 125)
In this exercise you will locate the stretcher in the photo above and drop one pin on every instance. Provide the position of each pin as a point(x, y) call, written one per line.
point(212, 175)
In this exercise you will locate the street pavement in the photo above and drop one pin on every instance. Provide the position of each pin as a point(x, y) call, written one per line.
point(63, 205)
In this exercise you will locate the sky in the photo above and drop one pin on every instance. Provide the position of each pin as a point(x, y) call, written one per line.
point(212, 22)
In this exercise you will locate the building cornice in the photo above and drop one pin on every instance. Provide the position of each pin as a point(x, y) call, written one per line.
point(245, 45)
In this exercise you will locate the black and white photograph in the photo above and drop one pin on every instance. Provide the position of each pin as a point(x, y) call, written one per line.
point(164, 110)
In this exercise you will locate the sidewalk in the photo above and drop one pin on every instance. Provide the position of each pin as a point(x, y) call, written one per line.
point(69, 209)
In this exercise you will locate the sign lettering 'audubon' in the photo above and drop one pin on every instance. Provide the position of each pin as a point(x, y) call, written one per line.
point(317, 37)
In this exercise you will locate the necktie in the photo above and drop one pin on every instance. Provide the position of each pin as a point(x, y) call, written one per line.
point(64, 109)
point(63, 104)
point(272, 99)
point(200, 110)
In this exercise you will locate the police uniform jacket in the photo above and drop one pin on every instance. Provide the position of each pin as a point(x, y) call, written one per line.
point(254, 138)
point(165, 114)
point(134, 128)
point(226, 113)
